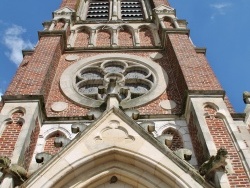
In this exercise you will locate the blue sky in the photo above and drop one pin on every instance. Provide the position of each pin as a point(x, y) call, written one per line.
point(222, 26)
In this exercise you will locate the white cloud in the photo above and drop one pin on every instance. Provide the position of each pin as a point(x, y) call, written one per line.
point(220, 8)
point(15, 43)
point(1, 96)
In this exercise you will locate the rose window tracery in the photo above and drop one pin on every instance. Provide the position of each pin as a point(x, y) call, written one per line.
point(134, 80)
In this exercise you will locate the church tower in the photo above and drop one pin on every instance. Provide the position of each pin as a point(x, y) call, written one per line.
point(115, 95)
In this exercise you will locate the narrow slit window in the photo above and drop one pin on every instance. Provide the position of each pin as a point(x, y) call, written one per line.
point(131, 10)
point(98, 10)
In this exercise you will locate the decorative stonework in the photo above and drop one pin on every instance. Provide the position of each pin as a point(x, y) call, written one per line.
point(156, 56)
point(114, 133)
point(71, 57)
point(168, 104)
point(134, 79)
point(59, 106)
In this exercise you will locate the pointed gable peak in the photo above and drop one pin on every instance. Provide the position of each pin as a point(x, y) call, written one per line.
point(165, 9)
point(64, 12)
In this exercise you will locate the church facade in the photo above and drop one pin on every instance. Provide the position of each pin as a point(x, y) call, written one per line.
point(115, 94)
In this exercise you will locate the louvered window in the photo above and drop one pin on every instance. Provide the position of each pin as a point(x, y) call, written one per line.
point(98, 10)
point(131, 10)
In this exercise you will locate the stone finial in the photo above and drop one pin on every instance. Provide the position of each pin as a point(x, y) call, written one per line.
point(215, 163)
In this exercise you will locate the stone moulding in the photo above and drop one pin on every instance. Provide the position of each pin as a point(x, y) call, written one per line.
point(67, 81)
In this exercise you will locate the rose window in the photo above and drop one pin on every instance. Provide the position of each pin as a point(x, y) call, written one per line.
point(134, 80)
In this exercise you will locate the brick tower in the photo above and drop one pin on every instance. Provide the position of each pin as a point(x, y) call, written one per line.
point(116, 95)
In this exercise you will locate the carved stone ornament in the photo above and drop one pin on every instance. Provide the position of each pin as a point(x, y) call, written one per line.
point(167, 104)
point(114, 133)
point(71, 57)
point(59, 106)
point(215, 163)
point(156, 56)
point(18, 173)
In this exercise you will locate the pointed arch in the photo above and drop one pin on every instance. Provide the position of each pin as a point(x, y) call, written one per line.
point(10, 131)
point(177, 141)
point(49, 146)
point(129, 167)
point(168, 22)
point(103, 38)
point(126, 36)
point(59, 24)
point(82, 37)
point(146, 36)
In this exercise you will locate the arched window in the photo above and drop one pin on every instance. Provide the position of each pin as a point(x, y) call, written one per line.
point(59, 25)
point(125, 37)
point(49, 142)
point(82, 38)
point(167, 22)
point(103, 38)
point(146, 37)
point(177, 142)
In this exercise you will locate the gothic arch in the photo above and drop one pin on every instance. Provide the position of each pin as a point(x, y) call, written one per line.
point(146, 36)
point(91, 171)
point(82, 37)
point(59, 24)
point(126, 36)
point(103, 36)
point(49, 141)
point(168, 22)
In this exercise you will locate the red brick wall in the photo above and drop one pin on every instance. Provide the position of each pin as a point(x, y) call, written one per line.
point(49, 145)
point(82, 39)
point(177, 142)
point(125, 38)
point(197, 145)
point(221, 137)
point(103, 38)
point(10, 134)
point(70, 3)
point(194, 67)
point(36, 73)
point(33, 141)
point(160, 2)
point(146, 37)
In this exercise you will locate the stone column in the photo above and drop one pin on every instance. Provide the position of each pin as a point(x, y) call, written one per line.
point(114, 37)
point(144, 8)
point(85, 10)
point(136, 37)
point(119, 14)
point(52, 25)
point(71, 39)
point(66, 25)
point(176, 23)
point(156, 37)
point(92, 38)
point(114, 11)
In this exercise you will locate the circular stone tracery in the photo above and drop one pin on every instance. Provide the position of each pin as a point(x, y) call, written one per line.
point(88, 81)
